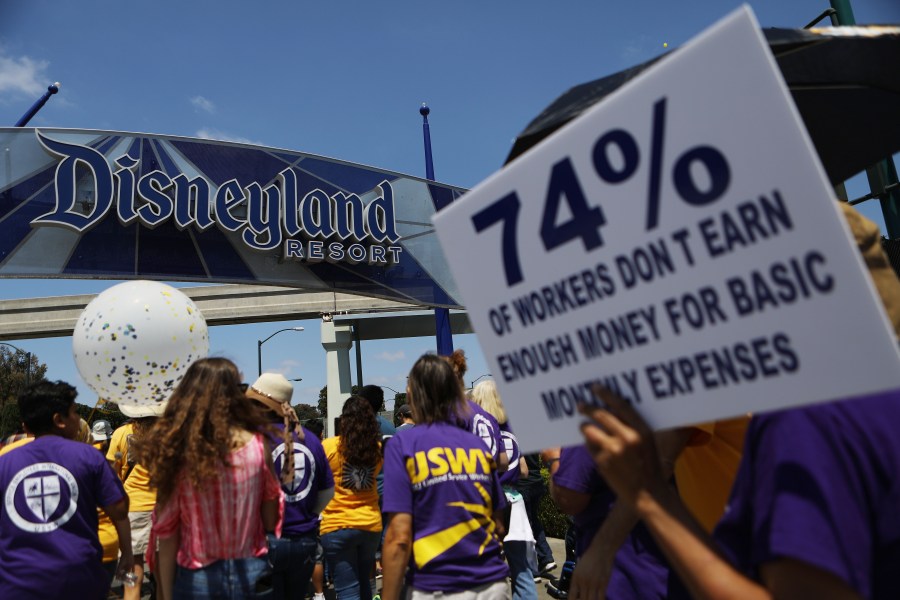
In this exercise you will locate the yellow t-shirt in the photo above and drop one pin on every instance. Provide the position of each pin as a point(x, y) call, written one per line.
point(109, 538)
point(706, 468)
point(14, 445)
point(355, 501)
point(141, 497)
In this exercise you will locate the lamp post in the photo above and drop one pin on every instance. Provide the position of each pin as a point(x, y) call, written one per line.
point(474, 381)
point(259, 344)
point(27, 361)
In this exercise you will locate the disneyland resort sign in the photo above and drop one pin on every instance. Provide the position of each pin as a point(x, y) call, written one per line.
point(267, 216)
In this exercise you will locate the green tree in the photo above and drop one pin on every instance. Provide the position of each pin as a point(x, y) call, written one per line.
point(323, 400)
point(14, 368)
point(399, 400)
point(10, 420)
point(306, 412)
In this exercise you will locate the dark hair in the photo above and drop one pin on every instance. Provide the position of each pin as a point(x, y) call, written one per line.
point(435, 394)
point(360, 434)
point(193, 436)
point(374, 394)
point(43, 399)
point(316, 426)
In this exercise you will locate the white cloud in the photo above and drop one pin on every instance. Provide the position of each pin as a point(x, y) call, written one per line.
point(23, 75)
point(391, 356)
point(203, 104)
point(215, 134)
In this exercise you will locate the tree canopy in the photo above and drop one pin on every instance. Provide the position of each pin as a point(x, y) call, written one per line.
point(14, 370)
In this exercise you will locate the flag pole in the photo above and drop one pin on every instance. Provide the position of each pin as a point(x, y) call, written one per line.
point(443, 333)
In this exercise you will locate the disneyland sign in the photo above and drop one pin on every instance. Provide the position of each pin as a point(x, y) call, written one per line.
point(267, 215)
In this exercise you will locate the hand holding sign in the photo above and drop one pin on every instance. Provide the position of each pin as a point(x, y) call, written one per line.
point(697, 288)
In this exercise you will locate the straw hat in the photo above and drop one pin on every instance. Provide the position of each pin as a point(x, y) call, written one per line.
point(868, 240)
point(274, 391)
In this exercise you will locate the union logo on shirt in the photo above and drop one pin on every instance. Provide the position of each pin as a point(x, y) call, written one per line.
point(42, 489)
point(357, 478)
point(484, 429)
point(511, 446)
point(304, 471)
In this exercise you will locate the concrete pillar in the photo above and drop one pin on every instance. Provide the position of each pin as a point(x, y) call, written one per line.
point(337, 339)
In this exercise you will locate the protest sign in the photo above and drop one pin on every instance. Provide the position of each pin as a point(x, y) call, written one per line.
point(679, 243)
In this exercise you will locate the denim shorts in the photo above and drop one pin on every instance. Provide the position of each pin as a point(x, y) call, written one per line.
point(232, 579)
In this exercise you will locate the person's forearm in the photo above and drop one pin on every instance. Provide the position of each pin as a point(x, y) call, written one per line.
point(123, 530)
point(269, 514)
point(168, 549)
point(394, 559)
point(323, 499)
point(615, 529)
point(690, 551)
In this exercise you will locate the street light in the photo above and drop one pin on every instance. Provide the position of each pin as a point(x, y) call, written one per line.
point(390, 388)
point(474, 381)
point(259, 344)
point(27, 361)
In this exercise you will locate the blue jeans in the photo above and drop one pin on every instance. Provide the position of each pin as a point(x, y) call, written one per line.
point(351, 557)
point(232, 579)
point(292, 561)
point(523, 587)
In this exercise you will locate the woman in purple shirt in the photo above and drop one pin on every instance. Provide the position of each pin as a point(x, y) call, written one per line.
point(813, 511)
point(442, 497)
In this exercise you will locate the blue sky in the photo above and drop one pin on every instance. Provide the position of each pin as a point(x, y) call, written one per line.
point(339, 79)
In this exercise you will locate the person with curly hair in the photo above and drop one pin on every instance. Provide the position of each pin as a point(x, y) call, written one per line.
point(217, 494)
point(443, 498)
point(351, 523)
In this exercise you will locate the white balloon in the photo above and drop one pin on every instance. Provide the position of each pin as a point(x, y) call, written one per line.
point(133, 343)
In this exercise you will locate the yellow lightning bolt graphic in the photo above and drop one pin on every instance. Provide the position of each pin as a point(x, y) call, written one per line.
point(425, 549)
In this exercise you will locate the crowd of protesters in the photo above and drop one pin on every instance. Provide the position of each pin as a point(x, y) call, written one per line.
point(224, 494)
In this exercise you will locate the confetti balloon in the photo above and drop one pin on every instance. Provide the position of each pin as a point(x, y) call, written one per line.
point(133, 343)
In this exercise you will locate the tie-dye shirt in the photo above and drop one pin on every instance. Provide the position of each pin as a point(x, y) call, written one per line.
point(445, 478)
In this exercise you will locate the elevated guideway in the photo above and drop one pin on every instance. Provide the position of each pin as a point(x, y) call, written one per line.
point(29, 318)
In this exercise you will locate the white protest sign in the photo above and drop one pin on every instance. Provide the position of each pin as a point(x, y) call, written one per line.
point(679, 243)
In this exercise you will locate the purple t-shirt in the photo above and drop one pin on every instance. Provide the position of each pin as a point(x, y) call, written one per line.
point(445, 479)
point(821, 485)
point(483, 424)
point(312, 473)
point(48, 522)
point(639, 569)
point(511, 446)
